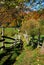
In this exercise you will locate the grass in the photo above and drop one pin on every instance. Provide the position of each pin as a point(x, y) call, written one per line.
point(8, 32)
point(4, 59)
point(0, 44)
point(8, 58)
point(27, 57)
point(1, 51)
point(30, 57)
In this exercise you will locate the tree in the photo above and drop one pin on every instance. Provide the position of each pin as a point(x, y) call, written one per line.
point(30, 26)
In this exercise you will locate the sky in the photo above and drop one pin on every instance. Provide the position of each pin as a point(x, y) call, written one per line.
point(37, 5)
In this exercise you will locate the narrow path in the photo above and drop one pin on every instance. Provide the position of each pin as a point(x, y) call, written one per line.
point(42, 49)
point(25, 56)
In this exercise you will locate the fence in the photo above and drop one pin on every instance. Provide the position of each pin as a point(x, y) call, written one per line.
point(15, 41)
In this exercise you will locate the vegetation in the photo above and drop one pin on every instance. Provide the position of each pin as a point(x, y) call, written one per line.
point(21, 34)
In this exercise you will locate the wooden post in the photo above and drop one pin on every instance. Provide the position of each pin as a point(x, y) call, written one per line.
point(39, 38)
point(3, 38)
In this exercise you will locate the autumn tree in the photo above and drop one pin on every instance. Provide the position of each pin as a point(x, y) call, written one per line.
point(30, 26)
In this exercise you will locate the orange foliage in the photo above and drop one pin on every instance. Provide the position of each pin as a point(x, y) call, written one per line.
point(6, 16)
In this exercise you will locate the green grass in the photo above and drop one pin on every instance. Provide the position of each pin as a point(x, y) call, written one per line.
point(4, 59)
point(27, 57)
point(10, 32)
point(13, 56)
point(0, 44)
point(1, 51)
point(32, 57)
point(6, 45)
